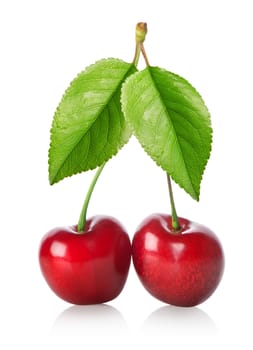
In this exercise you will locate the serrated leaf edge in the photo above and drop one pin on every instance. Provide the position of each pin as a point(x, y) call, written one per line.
point(123, 101)
point(53, 181)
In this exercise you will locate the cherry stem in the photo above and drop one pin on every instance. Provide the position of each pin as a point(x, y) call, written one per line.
point(137, 54)
point(82, 218)
point(175, 222)
point(144, 54)
point(140, 35)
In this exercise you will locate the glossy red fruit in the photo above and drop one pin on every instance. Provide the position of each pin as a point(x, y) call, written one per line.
point(90, 267)
point(181, 269)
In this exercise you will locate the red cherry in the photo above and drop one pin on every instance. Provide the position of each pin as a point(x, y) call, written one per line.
point(181, 268)
point(90, 267)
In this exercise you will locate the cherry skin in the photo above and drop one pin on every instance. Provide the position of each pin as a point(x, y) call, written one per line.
point(181, 268)
point(89, 267)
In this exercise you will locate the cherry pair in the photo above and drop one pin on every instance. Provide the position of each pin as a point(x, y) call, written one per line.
point(181, 267)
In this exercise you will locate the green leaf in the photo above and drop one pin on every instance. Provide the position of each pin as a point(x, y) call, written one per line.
point(172, 123)
point(88, 126)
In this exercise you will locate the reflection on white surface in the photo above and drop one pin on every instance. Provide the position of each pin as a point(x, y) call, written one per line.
point(87, 320)
point(174, 321)
point(165, 322)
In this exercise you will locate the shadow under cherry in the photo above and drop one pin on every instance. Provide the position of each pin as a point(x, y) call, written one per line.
point(89, 320)
point(176, 321)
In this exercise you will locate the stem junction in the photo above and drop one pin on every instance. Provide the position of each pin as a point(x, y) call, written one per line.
point(140, 35)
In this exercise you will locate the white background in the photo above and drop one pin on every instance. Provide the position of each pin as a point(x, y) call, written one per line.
point(44, 44)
